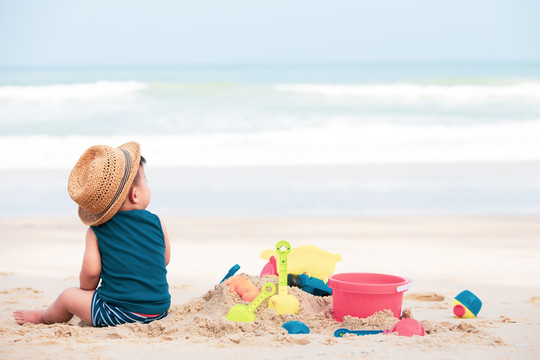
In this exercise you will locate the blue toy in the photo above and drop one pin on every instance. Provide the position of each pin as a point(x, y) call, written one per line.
point(296, 327)
point(404, 327)
point(343, 331)
point(466, 305)
point(231, 272)
point(311, 285)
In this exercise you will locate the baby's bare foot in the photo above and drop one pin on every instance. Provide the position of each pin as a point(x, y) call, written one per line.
point(25, 316)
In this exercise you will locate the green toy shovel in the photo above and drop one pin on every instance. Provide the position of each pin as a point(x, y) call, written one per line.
point(283, 303)
point(245, 313)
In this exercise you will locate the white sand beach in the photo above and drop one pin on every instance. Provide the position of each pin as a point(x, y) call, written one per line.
point(494, 257)
point(406, 141)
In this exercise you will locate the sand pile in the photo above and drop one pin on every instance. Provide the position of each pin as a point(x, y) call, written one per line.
point(203, 320)
point(206, 316)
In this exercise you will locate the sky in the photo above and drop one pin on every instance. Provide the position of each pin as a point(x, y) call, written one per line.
point(133, 32)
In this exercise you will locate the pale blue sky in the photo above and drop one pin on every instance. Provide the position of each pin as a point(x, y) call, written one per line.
point(132, 32)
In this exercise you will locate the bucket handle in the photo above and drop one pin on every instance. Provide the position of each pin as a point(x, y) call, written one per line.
point(404, 287)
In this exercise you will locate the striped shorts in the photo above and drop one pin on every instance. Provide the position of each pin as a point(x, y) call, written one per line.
point(104, 314)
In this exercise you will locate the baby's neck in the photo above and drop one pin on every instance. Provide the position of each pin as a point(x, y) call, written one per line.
point(128, 206)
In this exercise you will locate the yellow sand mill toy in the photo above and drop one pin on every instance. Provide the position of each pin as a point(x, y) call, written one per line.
point(309, 260)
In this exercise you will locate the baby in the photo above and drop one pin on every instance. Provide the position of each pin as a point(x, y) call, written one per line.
point(127, 247)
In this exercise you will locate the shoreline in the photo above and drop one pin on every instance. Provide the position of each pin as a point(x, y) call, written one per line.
point(358, 190)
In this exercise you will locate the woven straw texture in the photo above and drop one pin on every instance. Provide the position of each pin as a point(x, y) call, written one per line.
point(101, 180)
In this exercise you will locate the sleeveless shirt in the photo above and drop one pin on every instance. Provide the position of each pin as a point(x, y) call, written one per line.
point(133, 270)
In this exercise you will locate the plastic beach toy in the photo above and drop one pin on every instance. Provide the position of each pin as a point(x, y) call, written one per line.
point(296, 327)
point(309, 260)
point(245, 313)
point(270, 268)
point(243, 287)
point(363, 294)
point(466, 305)
point(231, 272)
point(405, 327)
point(283, 303)
point(310, 285)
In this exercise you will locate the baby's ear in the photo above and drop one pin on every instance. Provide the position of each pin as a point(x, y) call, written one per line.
point(133, 195)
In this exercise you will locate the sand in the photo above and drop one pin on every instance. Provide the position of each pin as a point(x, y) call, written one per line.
point(495, 257)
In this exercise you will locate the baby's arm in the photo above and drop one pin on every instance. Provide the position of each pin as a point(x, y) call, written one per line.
point(167, 244)
point(91, 266)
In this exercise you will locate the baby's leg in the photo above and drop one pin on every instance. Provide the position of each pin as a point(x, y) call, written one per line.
point(72, 301)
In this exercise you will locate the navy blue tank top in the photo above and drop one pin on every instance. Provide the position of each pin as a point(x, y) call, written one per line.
point(133, 270)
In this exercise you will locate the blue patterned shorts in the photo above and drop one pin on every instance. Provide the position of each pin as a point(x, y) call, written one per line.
point(104, 314)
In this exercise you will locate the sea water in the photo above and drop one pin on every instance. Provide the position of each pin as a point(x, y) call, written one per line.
point(293, 131)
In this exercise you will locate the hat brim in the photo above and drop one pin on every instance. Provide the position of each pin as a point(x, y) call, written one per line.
point(89, 219)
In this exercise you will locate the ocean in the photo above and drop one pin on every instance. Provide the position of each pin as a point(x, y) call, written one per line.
point(326, 139)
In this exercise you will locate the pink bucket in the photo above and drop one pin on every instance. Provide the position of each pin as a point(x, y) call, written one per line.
point(363, 294)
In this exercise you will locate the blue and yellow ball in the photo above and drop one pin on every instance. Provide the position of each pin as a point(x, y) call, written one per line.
point(466, 305)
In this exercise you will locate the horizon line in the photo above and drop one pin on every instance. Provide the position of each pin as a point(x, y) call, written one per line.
point(268, 64)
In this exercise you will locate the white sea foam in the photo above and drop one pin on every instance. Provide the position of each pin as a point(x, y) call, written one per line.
point(397, 92)
point(328, 145)
point(81, 91)
point(409, 92)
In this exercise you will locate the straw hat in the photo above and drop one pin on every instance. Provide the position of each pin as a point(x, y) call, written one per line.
point(101, 179)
